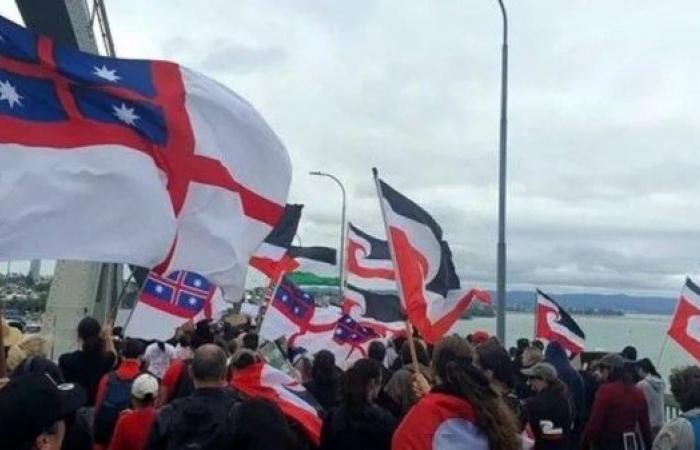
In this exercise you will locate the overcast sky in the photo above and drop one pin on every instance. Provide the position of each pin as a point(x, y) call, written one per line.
point(603, 177)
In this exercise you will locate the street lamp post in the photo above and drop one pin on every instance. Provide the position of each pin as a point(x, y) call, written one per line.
point(341, 262)
point(501, 271)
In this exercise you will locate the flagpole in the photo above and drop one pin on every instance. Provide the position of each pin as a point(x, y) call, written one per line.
point(675, 310)
point(397, 277)
point(120, 298)
point(534, 334)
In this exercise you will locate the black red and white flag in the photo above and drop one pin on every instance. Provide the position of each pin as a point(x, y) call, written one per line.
point(380, 311)
point(261, 380)
point(368, 258)
point(685, 325)
point(270, 258)
point(553, 323)
point(326, 255)
point(431, 290)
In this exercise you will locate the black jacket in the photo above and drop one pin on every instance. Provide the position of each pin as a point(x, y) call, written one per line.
point(206, 417)
point(326, 392)
point(549, 416)
point(371, 429)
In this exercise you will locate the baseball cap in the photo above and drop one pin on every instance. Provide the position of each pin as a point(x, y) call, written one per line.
point(480, 336)
point(144, 385)
point(542, 370)
point(31, 403)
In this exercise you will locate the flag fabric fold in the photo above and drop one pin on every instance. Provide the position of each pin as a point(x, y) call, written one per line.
point(430, 288)
point(685, 324)
point(553, 323)
point(131, 161)
point(261, 380)
point(271, 257)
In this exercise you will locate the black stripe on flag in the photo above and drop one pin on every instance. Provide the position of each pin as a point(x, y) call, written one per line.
point(690, 284)
point(323, 254)
point(285, 230)
point(382, 307)
point(565, 320)
point(379, 249)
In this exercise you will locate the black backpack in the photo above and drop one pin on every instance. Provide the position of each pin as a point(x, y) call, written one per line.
point(117, 398)
point(198, 425)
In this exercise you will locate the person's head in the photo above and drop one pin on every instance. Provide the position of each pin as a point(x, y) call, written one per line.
point(494, 360)
point(39, 364)
point(421, 353)
point(302, 364)
point(361, 384)
point(250, 341)
point(541, 376)
point(685, 387)
point(208, 367)
point(610, 367)
point(478, 337)
point(629, 353)
point(323, 368)
point(30, 345)
point(243, 358)
point(522, 344)
point(89, 333)
point(132, 348)
point(33, 409)
point(645, 368)
point(144, 391)
point(456, 375)
point(377, 351)
point(531, 356)
point(538, 344)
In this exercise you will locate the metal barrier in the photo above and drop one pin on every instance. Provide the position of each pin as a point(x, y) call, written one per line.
point(671, 409)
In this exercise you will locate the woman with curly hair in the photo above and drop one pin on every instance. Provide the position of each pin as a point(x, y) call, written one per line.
point(683, 432)
point(460, 411)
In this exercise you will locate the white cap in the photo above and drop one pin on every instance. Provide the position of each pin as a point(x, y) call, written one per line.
point(143, 385)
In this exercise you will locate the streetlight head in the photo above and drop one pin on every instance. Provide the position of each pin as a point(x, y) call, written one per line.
point(315, 172)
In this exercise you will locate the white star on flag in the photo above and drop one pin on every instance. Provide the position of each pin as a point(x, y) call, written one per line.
point(159, 289)
point(193, 301)
point(106, 74)
point(197, 282)
point(125, 114)
point(338, 332)
point(9, 94)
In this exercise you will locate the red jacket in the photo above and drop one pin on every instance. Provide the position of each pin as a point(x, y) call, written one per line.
point(617, 409)
point(132, 429)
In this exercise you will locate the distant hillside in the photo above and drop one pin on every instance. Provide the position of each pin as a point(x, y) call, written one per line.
point(621, 302)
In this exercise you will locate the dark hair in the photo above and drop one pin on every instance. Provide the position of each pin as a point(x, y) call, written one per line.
point(323, 368)
point(356, 384)
point(251, 341)
point(209, 363)
point(421, 353)
point(537, 343)
point(685, 387)
point(133, 348)
point(39, 364)
point(243, 358)
point(89, 331)
point(522, 344)
point(492, 356)
point(647, 366)
point(161, 345)
point(185, 340)
point(629, 352)
point(626, 373)
point(376, 351)
point(452, 361)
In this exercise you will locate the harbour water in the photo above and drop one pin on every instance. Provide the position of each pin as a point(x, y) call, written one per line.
point(646, 332)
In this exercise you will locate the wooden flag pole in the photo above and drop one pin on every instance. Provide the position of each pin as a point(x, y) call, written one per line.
point(120, 299)
point(397, 275)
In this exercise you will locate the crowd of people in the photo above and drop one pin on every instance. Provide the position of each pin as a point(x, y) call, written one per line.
point(464, 392)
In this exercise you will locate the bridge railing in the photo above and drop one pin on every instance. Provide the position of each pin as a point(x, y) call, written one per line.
point(671, 409)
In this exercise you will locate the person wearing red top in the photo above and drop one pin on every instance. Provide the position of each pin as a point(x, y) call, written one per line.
point(134, 425)
point(113, 393)
point(619, 410)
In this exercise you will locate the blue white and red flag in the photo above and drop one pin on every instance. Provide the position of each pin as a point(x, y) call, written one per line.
point(167, 302)
point(131, 161)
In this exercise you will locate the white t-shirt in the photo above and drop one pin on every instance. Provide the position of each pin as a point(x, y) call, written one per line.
point(159, 360)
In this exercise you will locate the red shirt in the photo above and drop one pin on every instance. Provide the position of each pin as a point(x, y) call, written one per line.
point(132, 429)
point(127, 370)
point(617, 409)
point(171, 378)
